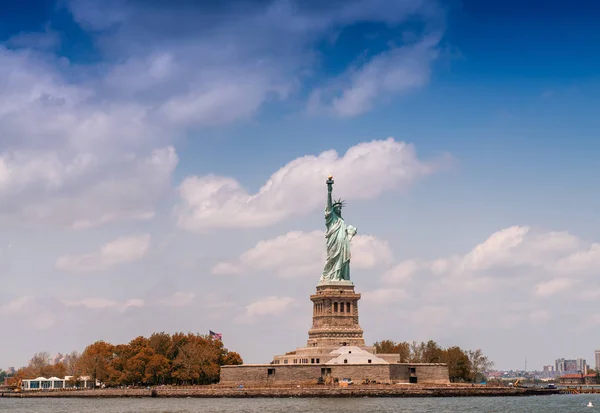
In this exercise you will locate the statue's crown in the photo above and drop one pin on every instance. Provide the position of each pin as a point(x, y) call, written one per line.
point(339, 202)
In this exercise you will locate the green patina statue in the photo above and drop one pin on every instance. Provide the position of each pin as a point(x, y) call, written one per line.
point(338, 235)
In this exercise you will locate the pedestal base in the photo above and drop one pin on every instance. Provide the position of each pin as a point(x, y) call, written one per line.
point(335, 316)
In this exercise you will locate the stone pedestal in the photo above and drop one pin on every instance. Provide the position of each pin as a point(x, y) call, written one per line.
point(335, 316)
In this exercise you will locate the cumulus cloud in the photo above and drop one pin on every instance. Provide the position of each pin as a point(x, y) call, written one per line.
point(299, 253)
point(392, 72)
point(86, 147)
point(97, 303)
point(16, 305)
point(29, 312)
point(178, 299)
point(365, 171)
point(505, 253)
point(119, 251)
point(385, 295)
point(269, 306)
point(516, 269)
point(68, 161)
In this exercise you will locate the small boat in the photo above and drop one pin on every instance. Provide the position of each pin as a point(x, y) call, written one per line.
point(590, 404)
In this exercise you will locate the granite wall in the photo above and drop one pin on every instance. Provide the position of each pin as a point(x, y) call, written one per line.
point(309, 374)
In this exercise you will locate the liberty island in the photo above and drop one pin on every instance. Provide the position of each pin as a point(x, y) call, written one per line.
point(335, 351)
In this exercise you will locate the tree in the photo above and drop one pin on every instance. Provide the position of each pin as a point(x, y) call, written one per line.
point(480, 364)
point(39, 361)
point(416, 352)
point(459, 365)
point(231, 358)
point(161, 344)
point(71, 363)
point(3, 375)
point(157, 369)
point(390, 347)
point(432, 352)
point(95, 361)
point(159, 359)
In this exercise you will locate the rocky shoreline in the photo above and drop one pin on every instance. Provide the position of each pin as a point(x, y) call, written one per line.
point(274, 392)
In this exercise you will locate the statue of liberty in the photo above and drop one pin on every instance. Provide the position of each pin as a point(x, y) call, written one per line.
point(338, 235)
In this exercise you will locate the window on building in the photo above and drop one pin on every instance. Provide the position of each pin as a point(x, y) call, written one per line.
point(345, 361)
point(412, 370)
point(312, 361)
point(349, 351)
point(285, 362)
point(335, 307)
point(347, 307)
point(341, 307)
point(318, 361)
point(369, 361)
point(270, 372)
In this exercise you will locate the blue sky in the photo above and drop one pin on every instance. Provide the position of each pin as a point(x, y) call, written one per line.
point(161, 168)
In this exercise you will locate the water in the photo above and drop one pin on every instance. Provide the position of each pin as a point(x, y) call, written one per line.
point(555, 403)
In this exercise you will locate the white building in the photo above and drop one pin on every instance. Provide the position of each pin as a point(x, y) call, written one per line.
point(53, 383)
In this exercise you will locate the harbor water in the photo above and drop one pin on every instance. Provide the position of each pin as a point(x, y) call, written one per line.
point(546, 404)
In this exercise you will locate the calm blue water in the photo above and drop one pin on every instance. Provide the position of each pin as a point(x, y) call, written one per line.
point(558, 403)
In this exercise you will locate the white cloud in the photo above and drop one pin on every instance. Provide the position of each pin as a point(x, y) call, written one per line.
point(385, 295)
point(69, 161)
point(91, 303)
point(16, 306)
point(28, 310)
point(178, 299)
point(365, 171)
point(395, 71)
point(539, 316)
point(269, 306)
point(402, 272)
point(552, 287)
point(121, 250)
point(505, 280)
point(300, 253)
point(510, 256)
point(97, 303)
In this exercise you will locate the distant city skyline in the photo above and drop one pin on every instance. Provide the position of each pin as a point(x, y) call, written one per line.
point(162, 166)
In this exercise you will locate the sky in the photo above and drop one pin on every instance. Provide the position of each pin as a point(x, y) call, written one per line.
point(163, 166)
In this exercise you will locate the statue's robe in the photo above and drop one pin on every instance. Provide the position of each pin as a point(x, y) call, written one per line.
point(337, 264)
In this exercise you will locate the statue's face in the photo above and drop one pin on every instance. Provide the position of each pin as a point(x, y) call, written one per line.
point(338, 210)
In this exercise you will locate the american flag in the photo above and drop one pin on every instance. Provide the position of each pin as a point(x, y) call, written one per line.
point(218, 336)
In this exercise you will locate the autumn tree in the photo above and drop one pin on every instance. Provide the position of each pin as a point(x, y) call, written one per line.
point(462, 365)
point(480, 364)
point(390, 347)
point(72, 364)
point(95, 361)
point(432, 353)
point(459, 365)
point(159, 359)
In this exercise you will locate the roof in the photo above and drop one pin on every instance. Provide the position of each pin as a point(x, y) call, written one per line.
point(572, 376)
point(354, 355)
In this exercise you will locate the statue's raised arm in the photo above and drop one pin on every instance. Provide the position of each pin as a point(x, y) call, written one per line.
point(338, 236)
point(329, 183)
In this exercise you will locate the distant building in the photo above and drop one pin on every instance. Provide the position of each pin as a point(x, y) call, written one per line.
point(578, 379)
point(570, 366)
point(548, 369)
point(597, 356)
